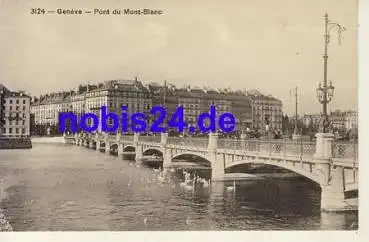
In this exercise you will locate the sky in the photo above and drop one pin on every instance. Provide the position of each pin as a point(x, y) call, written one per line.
point(267, 45)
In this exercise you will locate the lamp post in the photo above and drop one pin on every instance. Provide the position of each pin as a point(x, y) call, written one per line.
point(325, 92)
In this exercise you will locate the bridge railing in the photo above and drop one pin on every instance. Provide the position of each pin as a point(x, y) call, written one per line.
point(284, 148)
point(150, 139)
point(345, 151)
point(126, 137)
point(191, 142)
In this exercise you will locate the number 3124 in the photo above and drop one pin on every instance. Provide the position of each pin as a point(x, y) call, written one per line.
point(37, 11)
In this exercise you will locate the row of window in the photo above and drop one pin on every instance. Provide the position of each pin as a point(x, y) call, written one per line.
point(117, 93)
point(15, 122)
point(16, 101)
point(16, 130)
point(15, 115)
point(17, 108)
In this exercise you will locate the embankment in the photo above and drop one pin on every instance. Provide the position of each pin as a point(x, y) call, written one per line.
point(15, 143)
point(48, 140)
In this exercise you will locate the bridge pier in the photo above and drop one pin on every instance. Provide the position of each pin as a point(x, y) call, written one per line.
point(333, 196)
point(167, 152)
point(217, 190)
point(139, 153)
point(217, 165)
point(138, 148)
point(107, 148)
point(243, 140)
point(331, 178)
point(120, 149)
point(98, 145)
point(76, 139)
point(107, 144)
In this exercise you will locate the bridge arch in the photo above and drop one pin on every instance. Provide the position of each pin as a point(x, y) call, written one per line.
point(296, 169)
point(202, 156)
point(152, 151)
point(129, 148)
point(113, 146)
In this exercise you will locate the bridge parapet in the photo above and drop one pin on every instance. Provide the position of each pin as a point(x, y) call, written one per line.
point(282, 148)
point(150, 139)
point(190, 142)
point(345, 151)
point(341, 152)
point(126, 137)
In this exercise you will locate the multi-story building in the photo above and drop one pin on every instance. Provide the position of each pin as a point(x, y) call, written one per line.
point(251, 111)
point(164, 96)
point(340, 120)
point(197, 101)
point(311, 120)
point(193, 102)
point(46, 110)
point(241, 108)
point(351, 120)
point(266, 110)
point(14, 113)
point(113, 95)
point(344, 120)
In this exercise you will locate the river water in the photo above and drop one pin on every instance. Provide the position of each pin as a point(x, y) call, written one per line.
point(55, 187)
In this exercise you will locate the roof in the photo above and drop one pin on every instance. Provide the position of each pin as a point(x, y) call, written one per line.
point(53, 99)
point(124, 85)
point(16, 94)
point(3, 89)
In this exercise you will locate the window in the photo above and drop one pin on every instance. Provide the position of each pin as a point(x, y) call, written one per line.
point(17, 101)
point(11, 101)
point(16, 130)
point(10, 130)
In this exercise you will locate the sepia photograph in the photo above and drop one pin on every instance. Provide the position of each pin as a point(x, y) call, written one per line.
point(179, 115)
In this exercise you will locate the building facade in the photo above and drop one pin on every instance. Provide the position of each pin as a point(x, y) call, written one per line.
point(344, 120)
point(351, 120)
point(113, 95)
point(14, 113)
point(340, 120)
point(252, 111)
point(266, 111)
point(46, 110)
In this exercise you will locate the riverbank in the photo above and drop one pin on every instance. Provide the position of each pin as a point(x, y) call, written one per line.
point(4, 224)
point(15, 143)
point(48, 140)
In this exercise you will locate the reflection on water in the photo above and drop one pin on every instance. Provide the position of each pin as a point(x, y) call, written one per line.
point(58, 187)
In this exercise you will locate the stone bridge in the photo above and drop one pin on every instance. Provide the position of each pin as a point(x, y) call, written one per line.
point(331, 165)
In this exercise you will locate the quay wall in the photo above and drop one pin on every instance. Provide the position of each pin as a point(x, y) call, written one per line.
point(15, 143)
point(48, 140)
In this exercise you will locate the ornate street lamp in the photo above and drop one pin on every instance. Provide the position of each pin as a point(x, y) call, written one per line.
point(325, 92)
